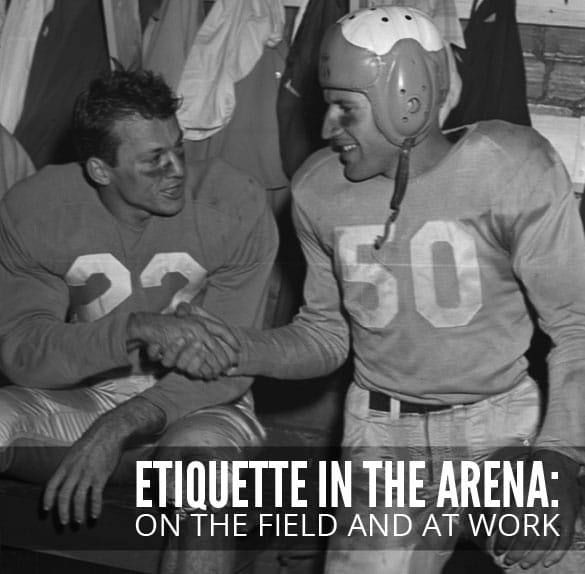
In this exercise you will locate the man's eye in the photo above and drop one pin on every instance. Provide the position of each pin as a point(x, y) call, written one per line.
point(154, 160)
point(179, 151)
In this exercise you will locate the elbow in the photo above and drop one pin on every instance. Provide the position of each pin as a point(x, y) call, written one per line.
point(19, 377)
point(336, 349)
point(13, 366)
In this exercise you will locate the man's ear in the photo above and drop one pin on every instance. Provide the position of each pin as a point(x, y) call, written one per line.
point(98, 171)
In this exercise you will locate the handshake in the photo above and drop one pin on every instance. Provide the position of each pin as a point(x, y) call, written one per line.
point(190, 340)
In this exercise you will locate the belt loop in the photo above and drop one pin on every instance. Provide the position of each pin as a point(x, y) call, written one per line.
point(394, 409)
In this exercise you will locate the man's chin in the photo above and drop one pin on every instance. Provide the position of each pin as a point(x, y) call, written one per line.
point(171, 207)
point(354, 174)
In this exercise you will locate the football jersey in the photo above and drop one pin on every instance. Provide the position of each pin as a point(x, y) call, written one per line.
point(71, 274)
point(438, 315)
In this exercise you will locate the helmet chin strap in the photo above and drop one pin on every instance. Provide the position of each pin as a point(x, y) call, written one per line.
point(400, 184)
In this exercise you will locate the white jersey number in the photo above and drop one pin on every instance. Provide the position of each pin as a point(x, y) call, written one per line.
point(374, 274)
point(121, 283)
point(380, 278)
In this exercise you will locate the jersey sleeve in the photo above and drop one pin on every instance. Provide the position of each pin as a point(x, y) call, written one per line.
point(236, 294)
point(547, 246)
point(317, 341)
point(37, 347)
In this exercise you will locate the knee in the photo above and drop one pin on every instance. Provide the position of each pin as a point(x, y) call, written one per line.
point(223, 427)
point(216, 434)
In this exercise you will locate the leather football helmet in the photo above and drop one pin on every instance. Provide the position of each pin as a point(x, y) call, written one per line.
point(394, 56)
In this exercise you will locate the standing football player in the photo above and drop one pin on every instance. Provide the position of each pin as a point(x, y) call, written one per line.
point(95, 257)
point(421, 250)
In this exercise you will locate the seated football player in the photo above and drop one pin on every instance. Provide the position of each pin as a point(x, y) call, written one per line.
point(95, 258)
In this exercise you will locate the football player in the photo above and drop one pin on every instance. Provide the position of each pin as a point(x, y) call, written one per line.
point(95, 257)
point(421, 250)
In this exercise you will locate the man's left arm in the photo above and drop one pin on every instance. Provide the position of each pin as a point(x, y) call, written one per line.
point(552, 268)
point(548, 253)
point(89, 463)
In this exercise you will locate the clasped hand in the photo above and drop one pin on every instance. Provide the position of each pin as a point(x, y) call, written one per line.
point(191, 341)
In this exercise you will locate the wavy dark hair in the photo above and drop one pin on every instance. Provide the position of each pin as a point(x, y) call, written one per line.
point(117, 96)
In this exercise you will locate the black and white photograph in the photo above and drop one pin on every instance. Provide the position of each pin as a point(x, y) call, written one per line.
point(292, 286)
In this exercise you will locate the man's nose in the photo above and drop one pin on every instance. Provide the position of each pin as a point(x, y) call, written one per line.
point(331, 126)
point(176, 165)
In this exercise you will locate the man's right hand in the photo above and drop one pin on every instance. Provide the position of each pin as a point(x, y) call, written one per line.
point(197, 344)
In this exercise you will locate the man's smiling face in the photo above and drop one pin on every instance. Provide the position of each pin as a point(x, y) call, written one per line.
point(352, 132)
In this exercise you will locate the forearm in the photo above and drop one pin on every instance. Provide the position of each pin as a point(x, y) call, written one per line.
point(45, 353)
point(176, 395)
point(297, 351)
point(549, 259)
point(50, 354)
point(136, 418)
point(563, 428)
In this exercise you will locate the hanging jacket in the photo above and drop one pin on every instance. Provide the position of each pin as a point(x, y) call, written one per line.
point(301, 106)
point(70, 52)
point(491, 67)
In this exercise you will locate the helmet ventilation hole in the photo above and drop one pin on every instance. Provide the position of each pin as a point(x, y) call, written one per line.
point(385, 19)
point(413, 105)
point(408, 17)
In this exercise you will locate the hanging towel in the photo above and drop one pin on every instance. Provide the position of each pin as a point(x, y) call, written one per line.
point(226, 48)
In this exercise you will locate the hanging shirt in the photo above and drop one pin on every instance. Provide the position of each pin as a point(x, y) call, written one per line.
point(250, 140)
point(17, 46)
point(168, 37)
point(226, 48)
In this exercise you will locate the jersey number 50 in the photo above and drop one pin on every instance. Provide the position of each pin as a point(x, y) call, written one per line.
point(380, 276)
